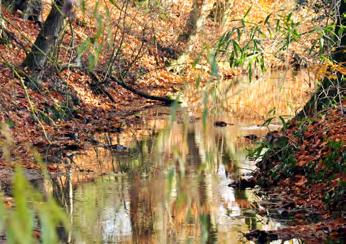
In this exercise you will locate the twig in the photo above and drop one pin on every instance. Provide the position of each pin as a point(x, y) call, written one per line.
point(32, 107)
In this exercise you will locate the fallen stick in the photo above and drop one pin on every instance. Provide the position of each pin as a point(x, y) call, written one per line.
point(166, 100)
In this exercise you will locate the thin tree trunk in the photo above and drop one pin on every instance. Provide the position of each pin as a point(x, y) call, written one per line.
point(197, 17)
point(339, 54)
point(47, 38)
point(1, 21)
point(191, 24)
point(330, 89)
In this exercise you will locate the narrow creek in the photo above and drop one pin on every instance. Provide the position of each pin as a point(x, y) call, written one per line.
point(172, 187)
point(171, 184)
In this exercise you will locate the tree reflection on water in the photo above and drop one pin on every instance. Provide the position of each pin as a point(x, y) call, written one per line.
point(174, 188)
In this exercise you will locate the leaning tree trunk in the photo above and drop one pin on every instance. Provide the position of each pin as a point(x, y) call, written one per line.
point(331, 89)
point(47, 38)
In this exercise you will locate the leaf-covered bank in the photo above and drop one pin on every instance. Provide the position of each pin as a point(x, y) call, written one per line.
point(302, 174)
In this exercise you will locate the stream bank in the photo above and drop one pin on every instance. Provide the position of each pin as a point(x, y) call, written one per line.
point(302, 174)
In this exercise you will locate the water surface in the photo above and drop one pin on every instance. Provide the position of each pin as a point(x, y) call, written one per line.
point(172, 187)
point(170, 183)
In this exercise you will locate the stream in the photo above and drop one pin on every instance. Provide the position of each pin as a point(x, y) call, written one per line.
point(165, 181)
point(170, 188)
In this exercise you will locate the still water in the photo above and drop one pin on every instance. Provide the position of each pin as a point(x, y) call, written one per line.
point(172, 187)
point(166, 181)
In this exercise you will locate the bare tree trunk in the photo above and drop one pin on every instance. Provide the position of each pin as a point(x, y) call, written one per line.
point(191, 24)
point(47, 38)
point(197, 17)
point(342, 21)
point(330, 89)
point(1, 21)
point(339, 54)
